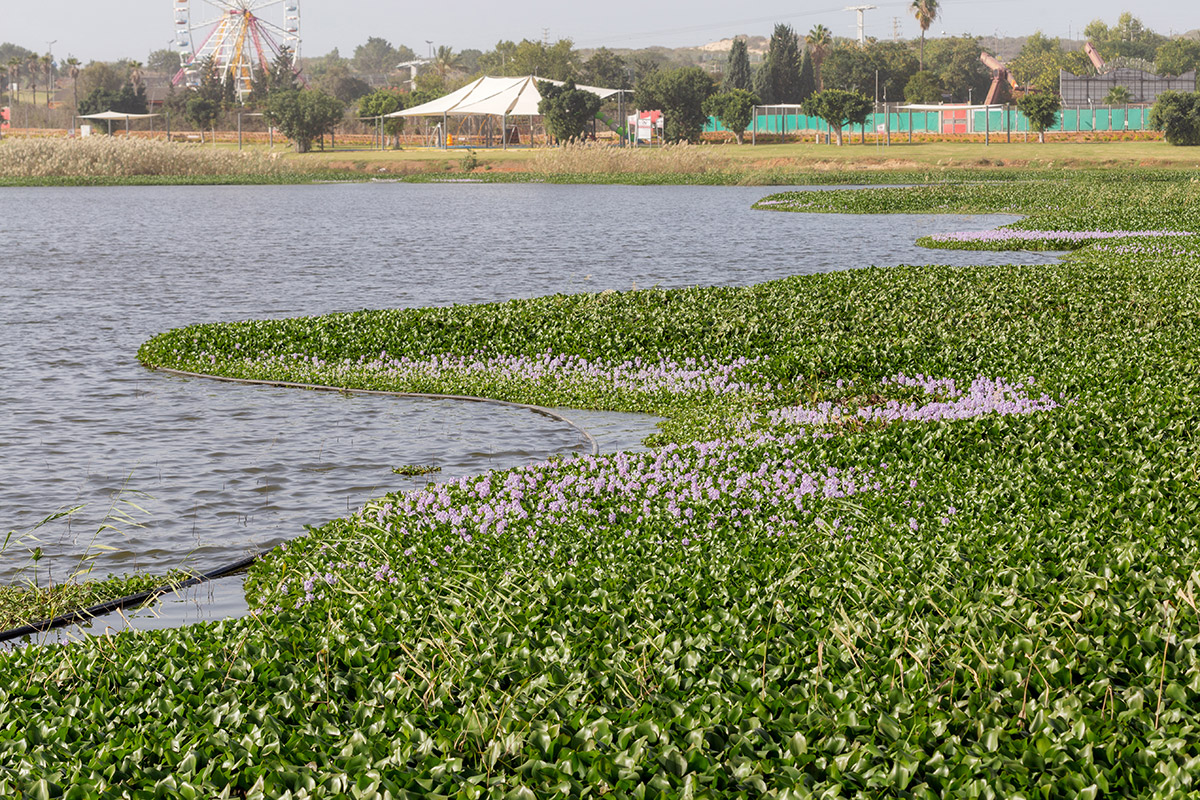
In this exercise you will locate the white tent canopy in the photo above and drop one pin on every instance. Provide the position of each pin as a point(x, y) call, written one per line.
point(110, 115)
point(492, 96)
point(116, 115)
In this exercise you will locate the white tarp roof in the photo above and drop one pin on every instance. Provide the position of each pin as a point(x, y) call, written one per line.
point(495, 96)
point(116, 115)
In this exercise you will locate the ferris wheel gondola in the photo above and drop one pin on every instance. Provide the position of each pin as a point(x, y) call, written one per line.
point(241, 37)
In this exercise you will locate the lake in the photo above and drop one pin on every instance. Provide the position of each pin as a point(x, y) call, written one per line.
point(171, 471)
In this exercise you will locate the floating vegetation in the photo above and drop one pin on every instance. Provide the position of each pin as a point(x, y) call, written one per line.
point(413, 470)
point(916, 532)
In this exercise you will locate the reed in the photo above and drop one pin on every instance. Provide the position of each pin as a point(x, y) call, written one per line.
point(592, 159)
point(109, 157)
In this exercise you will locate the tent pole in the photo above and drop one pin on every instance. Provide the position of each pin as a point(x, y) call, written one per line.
point(504, 130)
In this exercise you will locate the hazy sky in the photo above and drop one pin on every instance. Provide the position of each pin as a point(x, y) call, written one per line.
point(112, 29)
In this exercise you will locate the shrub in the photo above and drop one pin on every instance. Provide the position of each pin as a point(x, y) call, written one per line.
point(1177, 115)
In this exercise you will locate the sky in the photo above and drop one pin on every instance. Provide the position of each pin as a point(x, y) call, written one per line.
point(94, 29)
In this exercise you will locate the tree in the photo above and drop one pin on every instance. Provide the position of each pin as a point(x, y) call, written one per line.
point(644, 65)
point(202, 112)
point(100, 75)
point(348, 88)
point(303, 115)
point(135, 74)
point(680, 95)
point(1128, 39)
point(734, 108)
point(532, 58)
point(1042, 59)
point(876, 68)
point(1041, 109)
point(737, 68)
point(1177, 57)
point(163, 62)
point(34, 65)
point(1177, 115)
point(468, 60)
point(14, 70)
point(376, 57)
point(283, 74)
point(605, 69)
point(1118, 96)
point(72, 64)
point(850, 68)
point(48, 71)
point(839, 108)
point(819, 41)
point(126, 100)
point(566, 110)
point(445, 61)
point(808, 77)
point(778, 79)
point(382, 102)
point(923, 87)
point(955, 60)
point(926, 11)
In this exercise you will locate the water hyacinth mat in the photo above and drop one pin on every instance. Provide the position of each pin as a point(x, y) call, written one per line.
point(916, 532)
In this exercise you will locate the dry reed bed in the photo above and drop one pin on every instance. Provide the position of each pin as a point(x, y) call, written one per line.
point(592, 159)
point(102, 156)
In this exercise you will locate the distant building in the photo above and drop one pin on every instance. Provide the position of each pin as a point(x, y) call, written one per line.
point(1144, 87)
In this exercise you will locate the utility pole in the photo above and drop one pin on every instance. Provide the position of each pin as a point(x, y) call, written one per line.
point(862, 36)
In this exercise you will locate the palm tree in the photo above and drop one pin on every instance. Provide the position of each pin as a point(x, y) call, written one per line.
point(14, 72)
point(135, 75)
point(73, 70)
point(926, 11)
point(445, 61)
point(819, 40)
point(48, 70)
point(33, 65)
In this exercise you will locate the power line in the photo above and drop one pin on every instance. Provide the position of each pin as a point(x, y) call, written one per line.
point(783, 17)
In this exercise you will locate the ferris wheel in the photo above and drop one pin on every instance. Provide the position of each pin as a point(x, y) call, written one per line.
point(240, 36)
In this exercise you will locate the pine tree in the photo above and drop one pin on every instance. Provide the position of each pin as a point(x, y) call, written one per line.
point(762, 83)
point(737, 68)
point(808, 78)
point(781, 80)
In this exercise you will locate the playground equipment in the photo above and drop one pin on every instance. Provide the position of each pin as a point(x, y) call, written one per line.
point(1000, 75)
point(240, 36)
point(1095, 58)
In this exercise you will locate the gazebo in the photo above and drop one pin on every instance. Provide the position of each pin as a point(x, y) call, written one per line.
point(492, 97)
point(110, 115)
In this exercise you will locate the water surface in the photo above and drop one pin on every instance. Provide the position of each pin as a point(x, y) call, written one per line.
point(172, 471)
